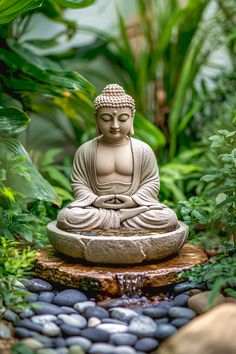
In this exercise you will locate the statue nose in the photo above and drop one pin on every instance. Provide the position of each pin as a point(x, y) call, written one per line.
point(115, 124)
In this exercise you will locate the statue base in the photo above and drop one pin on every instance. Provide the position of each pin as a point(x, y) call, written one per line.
point(115, 280)
point(118, 246)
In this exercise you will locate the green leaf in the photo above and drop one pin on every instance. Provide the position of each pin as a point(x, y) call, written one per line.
point(74, 4)
point(12, 120)
point(10, 9)
point(37, 187)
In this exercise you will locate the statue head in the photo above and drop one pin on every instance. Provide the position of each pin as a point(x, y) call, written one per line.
point(114, 97)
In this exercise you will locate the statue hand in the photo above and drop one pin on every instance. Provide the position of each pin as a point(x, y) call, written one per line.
point(126, 201)
point(104, 201)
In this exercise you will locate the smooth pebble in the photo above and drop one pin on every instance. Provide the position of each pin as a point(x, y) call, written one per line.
point(69, 297)
point(123, 339)
point(146, 344)
point(122, 314)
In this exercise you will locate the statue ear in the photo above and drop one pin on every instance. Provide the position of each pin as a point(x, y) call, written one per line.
point(131, 131)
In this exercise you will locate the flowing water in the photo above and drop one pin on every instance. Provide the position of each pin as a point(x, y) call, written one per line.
point(131, 283)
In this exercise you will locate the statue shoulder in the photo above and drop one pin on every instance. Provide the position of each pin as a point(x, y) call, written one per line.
point(85, 148)
point(142, 146)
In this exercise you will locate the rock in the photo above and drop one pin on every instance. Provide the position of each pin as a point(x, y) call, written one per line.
point(155, 311)
point(199, 302)
point(62, 350)
point(26, 313)
point(181, 300)
point(46, 296)
point(75, 349)
point(95, 335)
point(22, 332)
point(142, 326)
point(185, 286)
point(146, 344)
point(42, 308)
point(70, 330)
point(82, 306)
point(194, 292)
point(51, 329)
point(87, 276)
point(46, 351)
point(59, 342)
point(179, 322)
point(31, 297)
point(46, 341)
point(211, 333)
point(71, 320)
point(102, 348)
point(68, 310)
point(84, 343)
point(110, 303)
point(123, 339)
point(124, 349)
point(96, 311)
point(38, 285)
point(93, 322)
point(163, 320)
point(43, 318)
point(164, 330)
point(10, 316)
point(69, 297)
point(229, 299)
point(122, 314)
point(112, 320)
point(4, 331)
point(175, 312)
point(30, 325)
point(31, 343)
point(112, 328)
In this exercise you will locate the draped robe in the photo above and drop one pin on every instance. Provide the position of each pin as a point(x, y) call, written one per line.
point(144, 188)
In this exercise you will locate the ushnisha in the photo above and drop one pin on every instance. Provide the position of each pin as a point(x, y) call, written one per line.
point(115, 177)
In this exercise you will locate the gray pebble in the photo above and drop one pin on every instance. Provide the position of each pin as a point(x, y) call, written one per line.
point(69, 297)
point(22, 332)
point(185, 286)
point(46, 341)
point(46, 296)
point(46, 351)
point(62, 350)
point(124, 349)
point(123, 339)
point(26, 313)
point(96, 311)
point(102, 348)
point(146, 344)
point(59, 342)
point(112, 328)
point(10, 316)
point(122, 314)
point(94, 322)
point(84, 343)
point(43, 318)
point(42, 308)
point(68, 310)
point(4, 331)
point(51, 329)
point(95, 334)
point(38, 285)
point(31, 297)
point(164, 330)
point(163, 320)
point(75, 349)
point(142, 326)
point(31, 343)
point(179, 322)
point(37, 327)
point(75, 320)
point(112, 320)
point(175, 312)
point(70, 330)
point(155, 311)
point(181, 300)
point(82, 306)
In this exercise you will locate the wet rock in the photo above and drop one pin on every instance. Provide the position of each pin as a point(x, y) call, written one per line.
point(155, 311)
point(123, 339)
point(10, 316)
point(179, 322)
point(181, 300)
point(96, 311)
point(95, 335)
point(82, 306)
point(26, 313)
point(163, 320)
point(112, 328)
point(185, 286)
point(93, 322)
point(70, 330)
point(84, 343)
point(124, 349)
point(102, 348)
point(164, 331)
point(146, 344)
point(31, 343)
point(46, 296)
point(4, 331)
point(37, 285)
point(75, 320)
point(69, 297)
point(175, 312)
point(43, 318)
point(110, 303)
point(122, 314)
point(44, 308)
point(211, 333)
point(142, 326)
point(68, 310)
point(51, 329)
point(199, 302)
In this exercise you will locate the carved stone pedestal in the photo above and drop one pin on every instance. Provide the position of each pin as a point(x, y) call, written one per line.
point(110, 280)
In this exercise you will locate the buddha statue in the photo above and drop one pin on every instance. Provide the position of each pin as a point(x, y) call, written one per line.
point(115, 177)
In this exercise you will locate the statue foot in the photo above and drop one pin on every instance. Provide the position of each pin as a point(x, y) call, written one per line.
point(126, 214)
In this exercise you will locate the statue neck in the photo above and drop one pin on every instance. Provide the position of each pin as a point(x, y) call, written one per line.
point(111, 142)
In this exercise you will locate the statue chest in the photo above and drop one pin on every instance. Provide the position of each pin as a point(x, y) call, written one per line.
point(114, 163)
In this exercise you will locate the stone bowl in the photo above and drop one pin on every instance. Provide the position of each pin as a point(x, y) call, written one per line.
point(110, 249)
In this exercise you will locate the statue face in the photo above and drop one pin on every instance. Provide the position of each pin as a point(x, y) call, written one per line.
point(114, 123)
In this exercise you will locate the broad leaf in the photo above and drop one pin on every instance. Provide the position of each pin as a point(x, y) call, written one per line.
point(74, 4)
point(12, 120)
point(10, 9)
point(32, 187)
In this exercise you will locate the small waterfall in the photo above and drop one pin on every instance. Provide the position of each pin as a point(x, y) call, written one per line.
point(131, 283)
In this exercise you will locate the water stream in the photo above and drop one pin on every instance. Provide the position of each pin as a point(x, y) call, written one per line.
point(131, 283)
